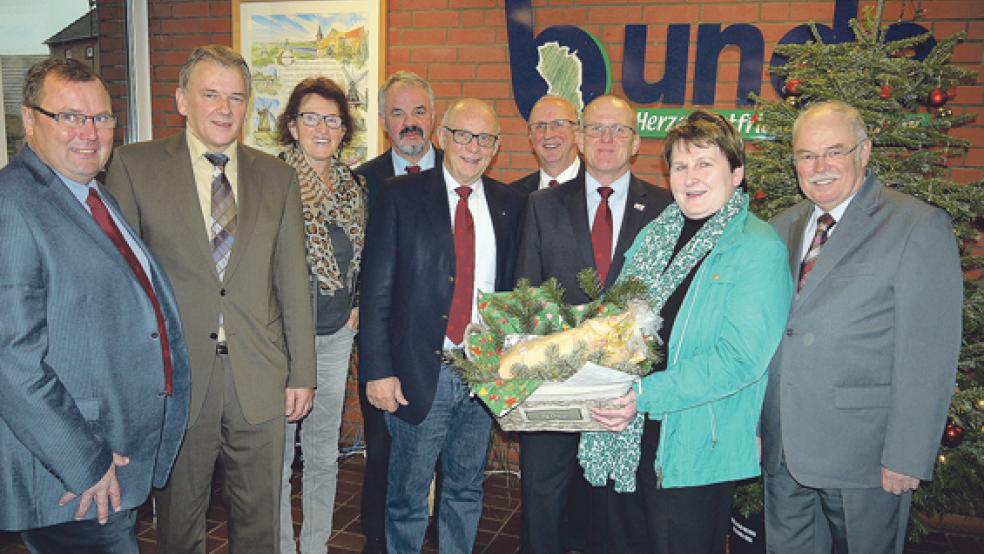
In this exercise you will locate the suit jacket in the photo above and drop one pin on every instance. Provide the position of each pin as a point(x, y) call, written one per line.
point(81, 374)
point(380, 169)
point(557, 236)
point(263, 296)
point(531, 183)
point(863, 376)
point(408, 279)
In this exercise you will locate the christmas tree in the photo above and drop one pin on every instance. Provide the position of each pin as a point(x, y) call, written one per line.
point(903, 102)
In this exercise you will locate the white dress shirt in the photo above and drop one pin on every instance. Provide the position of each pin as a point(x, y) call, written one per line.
point(485, 252)
point(811, 226)
point(564, 176)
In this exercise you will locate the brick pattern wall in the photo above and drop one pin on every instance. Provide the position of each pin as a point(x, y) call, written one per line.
point(461, 47)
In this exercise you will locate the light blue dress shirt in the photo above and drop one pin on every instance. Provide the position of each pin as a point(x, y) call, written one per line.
point(81, 192)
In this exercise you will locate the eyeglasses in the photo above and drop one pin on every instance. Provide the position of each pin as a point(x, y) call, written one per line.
point(74, 119)
point(830, 155)
point(461, 136)
point(541, 127)
point(312, 119)
point(596, 130)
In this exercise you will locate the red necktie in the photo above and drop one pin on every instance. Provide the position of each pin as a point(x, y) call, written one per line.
point(105, 221)
point(601, 235)
point(464, 267)
point(553, 183)
point(411, 169)
point(824, 223)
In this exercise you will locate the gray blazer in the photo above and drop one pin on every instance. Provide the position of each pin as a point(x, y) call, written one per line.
point(863, 376)
point(81, 374)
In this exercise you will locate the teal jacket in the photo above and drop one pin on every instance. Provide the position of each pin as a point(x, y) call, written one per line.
point(729, 325)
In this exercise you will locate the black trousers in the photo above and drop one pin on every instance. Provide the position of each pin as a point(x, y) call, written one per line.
point(561, 510)
point(373, 509)
point(685, 520)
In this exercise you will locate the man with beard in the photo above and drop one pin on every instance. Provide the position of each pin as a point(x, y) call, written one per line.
point(406, 108)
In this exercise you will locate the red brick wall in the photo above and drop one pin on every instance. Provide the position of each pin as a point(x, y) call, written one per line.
point(461, 47)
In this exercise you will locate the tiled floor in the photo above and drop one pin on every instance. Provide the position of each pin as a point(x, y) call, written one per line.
point(498, 531)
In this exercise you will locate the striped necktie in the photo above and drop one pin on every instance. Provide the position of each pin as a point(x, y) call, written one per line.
point(223, 227)
point(824, 223)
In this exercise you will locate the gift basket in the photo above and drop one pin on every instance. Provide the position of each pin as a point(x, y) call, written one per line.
point(541, 365)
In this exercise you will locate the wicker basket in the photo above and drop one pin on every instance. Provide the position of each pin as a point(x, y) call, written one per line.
point(550, 408)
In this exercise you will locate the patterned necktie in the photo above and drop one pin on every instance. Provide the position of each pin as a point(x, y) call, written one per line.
point(553, 183)
point(411, 169)
point(223, 226)
point(464, 267)
point(824, 223)
point(601, 235)
point(106, 223)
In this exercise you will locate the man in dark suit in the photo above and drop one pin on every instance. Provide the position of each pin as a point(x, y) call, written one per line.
point(406, 110)
point(433, 241)
point(225, 221)
point(553, 128)
point(859, 387)
point(94, 376)
point(588, 222)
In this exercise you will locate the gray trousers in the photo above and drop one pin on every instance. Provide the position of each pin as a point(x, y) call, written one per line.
point(805, 520)
point(251, 459)
point(319, 443)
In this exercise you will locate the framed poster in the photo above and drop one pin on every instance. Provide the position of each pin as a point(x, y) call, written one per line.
point(286, 42)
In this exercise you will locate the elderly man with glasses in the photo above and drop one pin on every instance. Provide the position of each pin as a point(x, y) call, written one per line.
point(435, 239)
point(587, 222)
point(859, 388)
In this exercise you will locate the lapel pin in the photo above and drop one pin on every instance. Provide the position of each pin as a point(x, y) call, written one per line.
point(639, 207)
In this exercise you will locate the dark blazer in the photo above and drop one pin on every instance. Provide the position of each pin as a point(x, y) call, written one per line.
point(81, 374)
point(263, 296)
point(408, 279)
point(557, 236)
point(531, 183)
point(863, 376)
point(380, 168)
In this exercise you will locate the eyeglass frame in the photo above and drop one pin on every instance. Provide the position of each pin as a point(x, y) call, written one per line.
point(597, 130)
point(554, 125)
point(68, 118)
point(479, 137)
point(829, 155)
point(322, 118)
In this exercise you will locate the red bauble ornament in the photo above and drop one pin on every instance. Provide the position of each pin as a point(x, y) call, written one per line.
point(886, 92)
point(937, 97)
point(792, 87)
point(759, 194)
point(953, 435)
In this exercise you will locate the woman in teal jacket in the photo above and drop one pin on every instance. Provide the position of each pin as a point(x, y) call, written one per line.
point(720, 278)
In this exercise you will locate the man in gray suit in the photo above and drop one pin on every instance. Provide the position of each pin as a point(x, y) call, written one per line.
point(94, 376)
point(859, 387)
point(225, 221)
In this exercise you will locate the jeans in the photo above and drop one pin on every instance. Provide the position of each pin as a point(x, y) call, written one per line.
point(85, 537)
point(319, 443)
point(456, 429)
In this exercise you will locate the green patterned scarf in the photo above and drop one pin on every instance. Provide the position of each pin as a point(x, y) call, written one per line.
point(615, 456)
